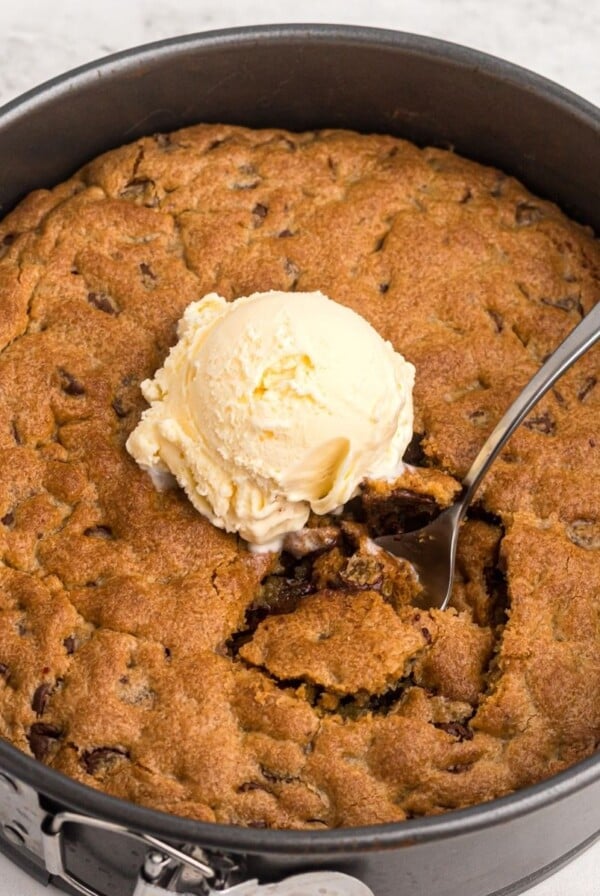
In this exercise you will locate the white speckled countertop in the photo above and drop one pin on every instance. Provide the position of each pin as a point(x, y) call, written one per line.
point(556, 38)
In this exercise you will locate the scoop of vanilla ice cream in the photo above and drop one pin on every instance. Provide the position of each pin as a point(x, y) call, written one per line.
point(273, 405)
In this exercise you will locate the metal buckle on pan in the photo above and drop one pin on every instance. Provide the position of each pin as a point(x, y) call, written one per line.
point(163, 862)
point(188, 871)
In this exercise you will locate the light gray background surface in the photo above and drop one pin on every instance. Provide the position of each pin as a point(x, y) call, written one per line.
point(556, 38)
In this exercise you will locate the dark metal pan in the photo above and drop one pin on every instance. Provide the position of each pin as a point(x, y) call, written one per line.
point(302, 76)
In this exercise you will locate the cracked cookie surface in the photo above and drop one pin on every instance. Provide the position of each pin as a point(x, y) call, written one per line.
point(148, 654)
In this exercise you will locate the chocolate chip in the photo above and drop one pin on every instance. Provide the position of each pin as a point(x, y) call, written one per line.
point(147, 271)
point(415, 455)
point(542, 423)
point(69, 384)
point(6, 243)
point(383, 288)
point(260, 213)
point(526, 214)
point(42, 738)
point(497, 319)
point(586, 388)
point(70, 645)
point(168, 653)
point(102, 758)
point(4, 671)
point(102, 302)
point(466, 196)
point(119, 408)
point(565, 303)
point(283, 234)
point(98, 532)
point(426, 634)
point(8, 519)
point(456, 729)
point(40, 698)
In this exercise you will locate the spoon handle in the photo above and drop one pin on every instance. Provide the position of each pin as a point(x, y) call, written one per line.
point(579, 340)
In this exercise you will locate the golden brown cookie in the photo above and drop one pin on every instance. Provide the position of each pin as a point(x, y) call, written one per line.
point(152, 656)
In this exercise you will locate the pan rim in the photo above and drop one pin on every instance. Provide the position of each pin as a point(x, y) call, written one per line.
point(416, 44)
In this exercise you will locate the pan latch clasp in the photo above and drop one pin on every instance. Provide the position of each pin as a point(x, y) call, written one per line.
point(162, 866)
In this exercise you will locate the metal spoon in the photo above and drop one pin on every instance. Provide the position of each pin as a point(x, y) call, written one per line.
point(432, 549)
